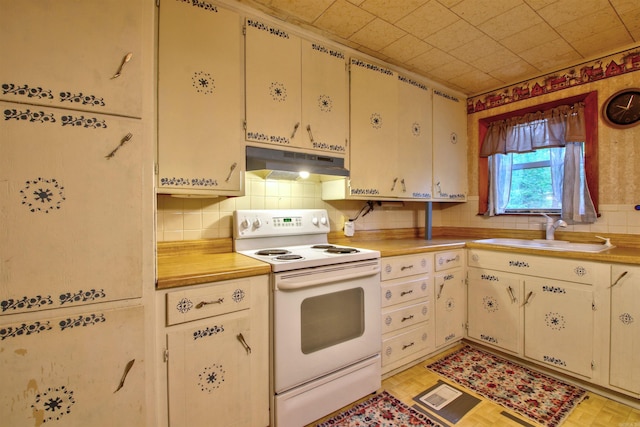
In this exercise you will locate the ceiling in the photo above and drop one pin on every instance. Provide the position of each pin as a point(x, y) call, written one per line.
point(473, 46)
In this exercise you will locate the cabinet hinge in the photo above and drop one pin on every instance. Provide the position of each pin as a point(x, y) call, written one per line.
point(244, 125)
point(156, 169)
point(165, 355)
point(157, 3)
point(593, 365)
point(244, 30)
point(593, 306)
point(466, 325)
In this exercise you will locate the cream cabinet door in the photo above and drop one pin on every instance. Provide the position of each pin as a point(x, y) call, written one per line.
point(273, 85)
point(325, 99)
point(493, 308)
point(72, 190)
point(81, 370)
point(200, 100)
point(414, 141)
point(449, 147)
point(374, 130)
point(625, 328)
point(210, 372)
point(67, 53)
point(559, 324)
point(450, 306)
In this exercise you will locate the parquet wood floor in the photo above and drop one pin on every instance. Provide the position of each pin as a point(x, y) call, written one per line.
point(596, 411)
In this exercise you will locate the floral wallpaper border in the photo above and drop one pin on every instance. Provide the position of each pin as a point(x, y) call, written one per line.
point(610, 66)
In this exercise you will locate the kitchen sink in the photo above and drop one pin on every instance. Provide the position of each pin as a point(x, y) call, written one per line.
point(550, 245)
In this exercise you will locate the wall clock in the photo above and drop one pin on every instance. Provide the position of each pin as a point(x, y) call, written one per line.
point(622, 109)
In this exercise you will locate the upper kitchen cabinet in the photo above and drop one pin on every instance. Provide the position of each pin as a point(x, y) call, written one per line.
point(200, 106)
point(72, 200)
point(296, 91)
point(73, 54)
point(449, 147)
point(391, 137)
point(325, 99)
point(374, 129)
point(414, 143)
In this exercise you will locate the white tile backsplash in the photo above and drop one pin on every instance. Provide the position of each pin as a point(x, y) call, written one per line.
point(182, 218)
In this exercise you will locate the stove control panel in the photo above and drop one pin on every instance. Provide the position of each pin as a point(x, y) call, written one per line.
point(279, 222)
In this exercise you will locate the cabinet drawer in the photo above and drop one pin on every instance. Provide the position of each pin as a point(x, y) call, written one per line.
point(209, 300)
point(402, 345)
point(449, 259)
point(403, 317)
point(571, 270)
point(405, 265)
point(403, 290)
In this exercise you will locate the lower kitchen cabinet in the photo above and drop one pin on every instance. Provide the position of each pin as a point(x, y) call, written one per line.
point(216, 354)
point(80, 369)
point(450, 304)
point(559, 324)
point(493, 308)
point(558, 315)
point(624, 369)
point(407, 323)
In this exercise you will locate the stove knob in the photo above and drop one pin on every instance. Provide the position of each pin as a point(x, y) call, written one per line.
point(323, 221)
point(314, 221)
point(245, 224)
point(257, 223)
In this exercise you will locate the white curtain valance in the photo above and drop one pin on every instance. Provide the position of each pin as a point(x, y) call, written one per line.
point(543, 129)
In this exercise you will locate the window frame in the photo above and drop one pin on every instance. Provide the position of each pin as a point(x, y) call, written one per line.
point(590, 100)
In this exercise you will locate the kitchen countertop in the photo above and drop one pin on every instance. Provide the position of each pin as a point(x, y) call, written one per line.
point(204, 261)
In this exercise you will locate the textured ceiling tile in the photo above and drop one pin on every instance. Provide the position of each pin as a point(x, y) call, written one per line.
point(514, 72)
point(539, 4)
point(529, 38)
point(392, 10)
point(480, 47)
point(631, 20)
point(406, 47)
point(377, 34)
point(500, 58)
point(430, 60)
point(565, 11)
point(427, 20)
point(453, 36)
point(602, 42)
point(550, 56)
point(476, 82)
point(625, 6)
point(451, 70)
point(511, 22)
point(588, 25)
point(476, 12)
point(306, 10)
point(344, 19)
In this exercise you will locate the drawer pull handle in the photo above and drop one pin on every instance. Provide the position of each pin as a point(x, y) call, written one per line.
point(203, 303)
point(125, 373)
point(125, 60)
point(404, 319)
point(440, 290)
point(406, 267)
point(394, 183)
point(310, 134)
point(406, 346)
point(403, 293)
point(526, 301)
point(295, 129)
point(513, 297)
point(231, 169)
point(618, 279)
point(244, 343)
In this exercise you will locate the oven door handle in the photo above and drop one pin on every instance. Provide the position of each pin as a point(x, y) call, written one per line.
point(295, 281)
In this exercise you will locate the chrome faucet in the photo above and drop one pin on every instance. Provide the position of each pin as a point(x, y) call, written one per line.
point(551, 226)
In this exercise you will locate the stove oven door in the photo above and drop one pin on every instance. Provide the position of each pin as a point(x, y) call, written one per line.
point(325, 319)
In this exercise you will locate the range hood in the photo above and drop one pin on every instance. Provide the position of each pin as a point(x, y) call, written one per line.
point(286, 164)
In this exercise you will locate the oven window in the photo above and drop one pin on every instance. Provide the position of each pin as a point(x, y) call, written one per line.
point(331, 319)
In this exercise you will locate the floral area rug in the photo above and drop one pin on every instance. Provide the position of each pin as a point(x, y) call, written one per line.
point(539, 397)
point(382, 410)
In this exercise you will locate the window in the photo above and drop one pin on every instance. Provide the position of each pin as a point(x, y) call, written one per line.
point(522, 163)
point(534, 187)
